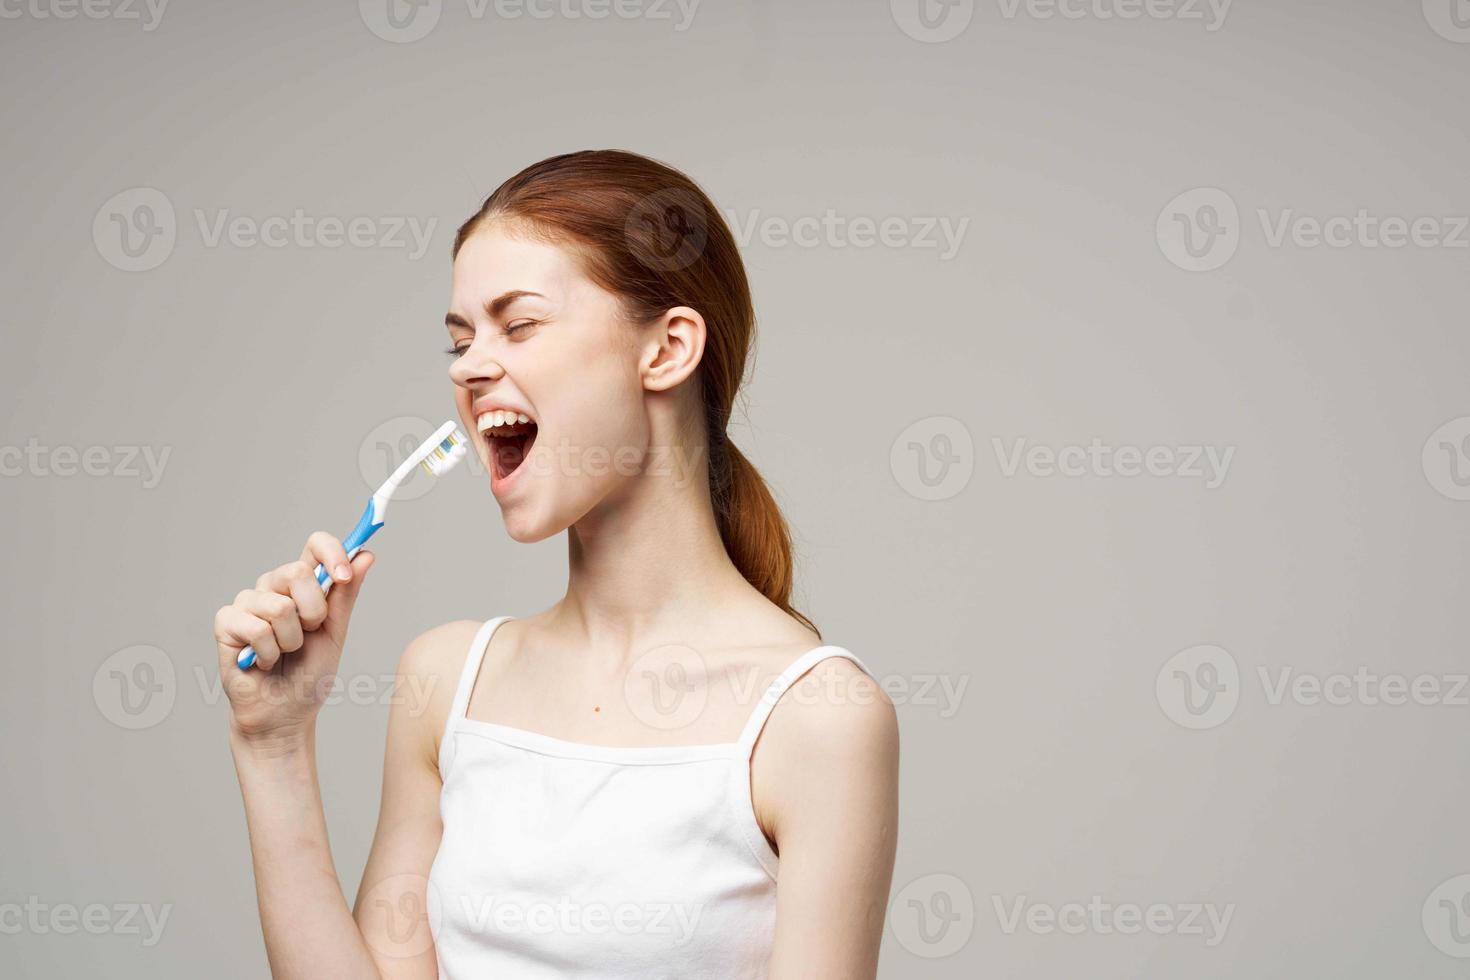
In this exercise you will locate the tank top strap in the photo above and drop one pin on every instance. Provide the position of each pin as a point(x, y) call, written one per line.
point(474, 657)
point(793, 673)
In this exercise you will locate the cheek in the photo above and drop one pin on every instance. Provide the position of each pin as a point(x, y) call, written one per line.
point(597, 434)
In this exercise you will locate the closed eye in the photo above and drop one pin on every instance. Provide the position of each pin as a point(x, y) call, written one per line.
point(458, 350)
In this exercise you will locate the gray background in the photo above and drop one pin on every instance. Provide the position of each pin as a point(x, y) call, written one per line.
point(1068, 768)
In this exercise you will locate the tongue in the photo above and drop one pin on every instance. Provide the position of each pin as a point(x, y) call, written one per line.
point(510, 452)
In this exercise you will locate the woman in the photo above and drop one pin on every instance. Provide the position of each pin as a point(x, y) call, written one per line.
point(606, 788)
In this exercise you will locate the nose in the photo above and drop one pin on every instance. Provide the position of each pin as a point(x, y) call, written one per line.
point(475, 367)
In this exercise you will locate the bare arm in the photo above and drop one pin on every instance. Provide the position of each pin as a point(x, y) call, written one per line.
point(829, 798)
point(392, 905)
point(298, 635)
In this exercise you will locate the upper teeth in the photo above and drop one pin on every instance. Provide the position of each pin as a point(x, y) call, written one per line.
point(492, 419)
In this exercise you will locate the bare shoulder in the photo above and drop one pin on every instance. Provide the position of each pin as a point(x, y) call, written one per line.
point(440, 651)
point(830, 745)
point(834, 710)
point(428, 675)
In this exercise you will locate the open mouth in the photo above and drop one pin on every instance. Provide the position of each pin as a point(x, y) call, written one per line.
point(508, 436)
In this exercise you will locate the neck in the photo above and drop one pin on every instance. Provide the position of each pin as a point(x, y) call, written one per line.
point(648, 563)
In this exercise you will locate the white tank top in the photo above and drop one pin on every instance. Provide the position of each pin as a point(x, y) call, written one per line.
point(562, 859)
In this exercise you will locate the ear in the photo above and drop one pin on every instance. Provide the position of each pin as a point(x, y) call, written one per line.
point(672, 349)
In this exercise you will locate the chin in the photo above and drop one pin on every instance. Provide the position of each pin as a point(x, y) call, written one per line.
point(526, 529)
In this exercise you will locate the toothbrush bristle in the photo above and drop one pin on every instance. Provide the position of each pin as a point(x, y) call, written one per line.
point(443, 457)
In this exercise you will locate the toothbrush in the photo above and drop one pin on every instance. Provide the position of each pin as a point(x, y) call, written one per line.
point(437, 455)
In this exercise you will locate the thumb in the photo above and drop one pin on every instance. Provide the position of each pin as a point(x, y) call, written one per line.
point(344, 594)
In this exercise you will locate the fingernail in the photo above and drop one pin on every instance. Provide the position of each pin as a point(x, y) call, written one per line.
point(343, 573)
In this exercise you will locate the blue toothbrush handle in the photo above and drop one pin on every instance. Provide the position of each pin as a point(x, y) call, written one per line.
point(367, 525)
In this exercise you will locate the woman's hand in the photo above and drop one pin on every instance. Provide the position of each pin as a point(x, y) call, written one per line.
point(297, 633)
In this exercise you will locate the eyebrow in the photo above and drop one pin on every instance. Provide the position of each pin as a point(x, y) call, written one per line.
point(493, 308)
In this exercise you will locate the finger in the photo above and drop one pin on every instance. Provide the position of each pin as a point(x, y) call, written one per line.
point(311, 605)
point(279, 579)
point(326, 550)
point(343, 597)
point(277, 610)
point(235, 629)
